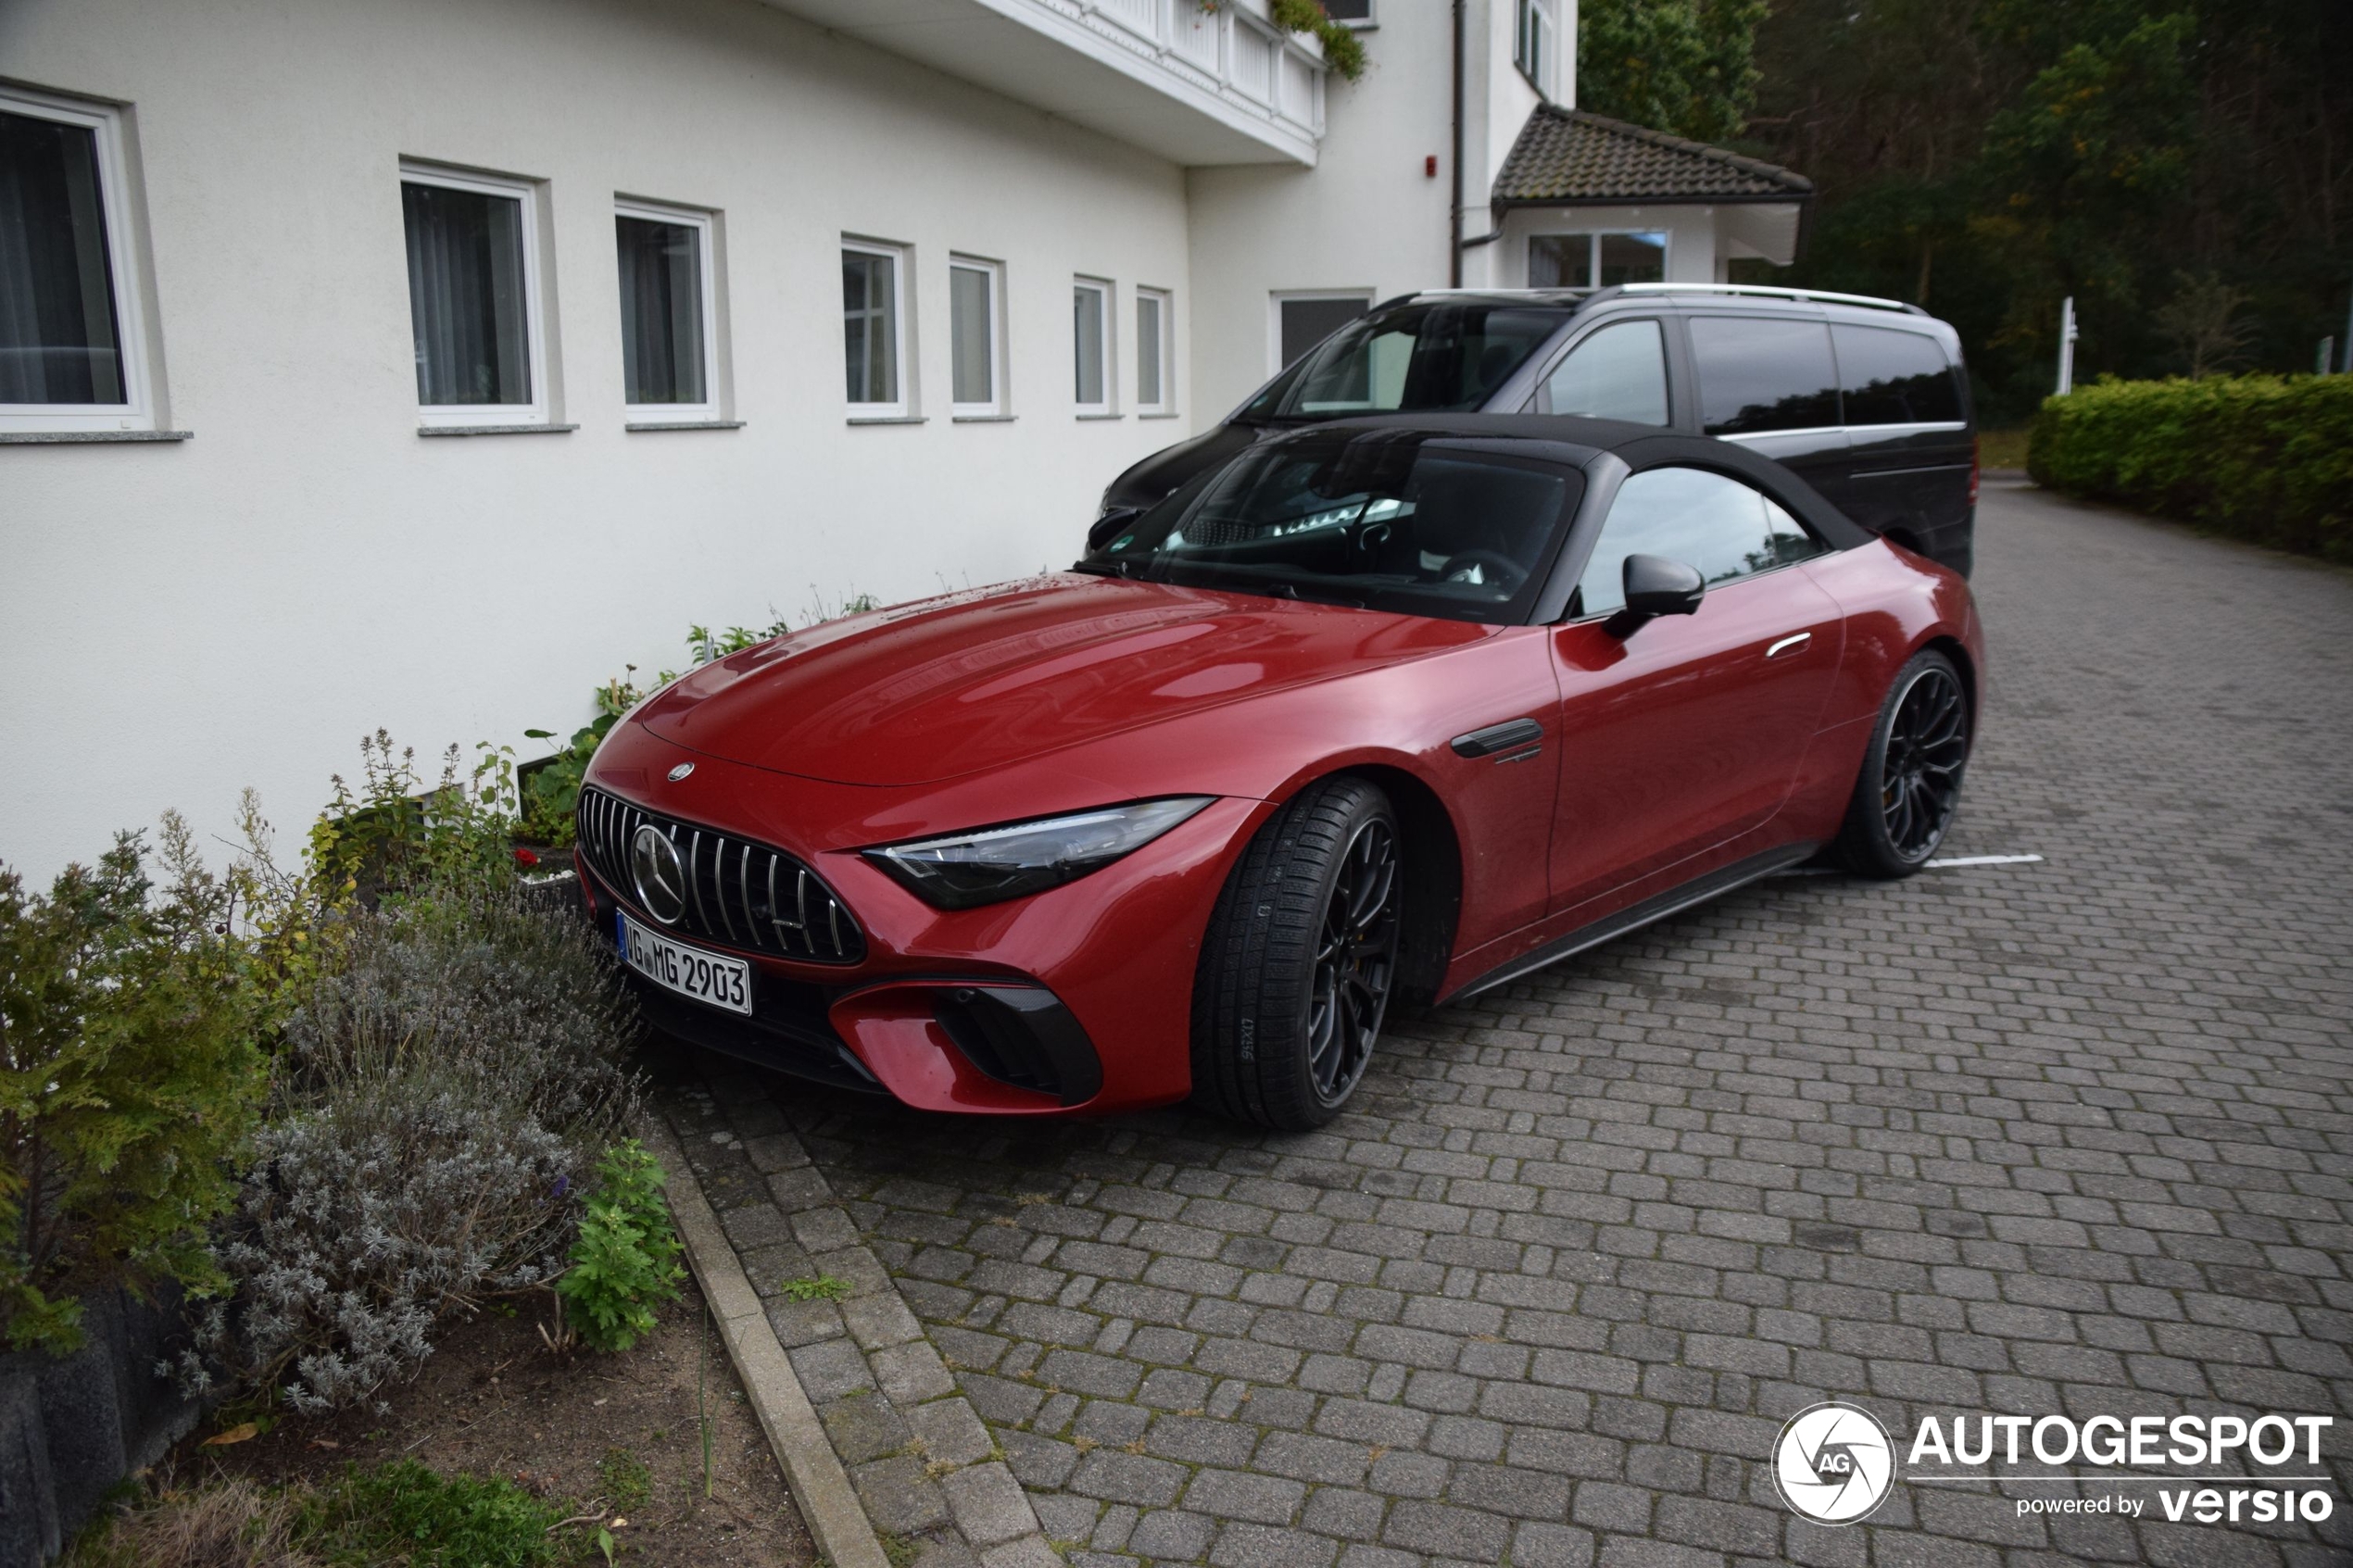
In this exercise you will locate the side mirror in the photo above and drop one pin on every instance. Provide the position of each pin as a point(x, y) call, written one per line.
point(1106, 528)
point(1656, 586)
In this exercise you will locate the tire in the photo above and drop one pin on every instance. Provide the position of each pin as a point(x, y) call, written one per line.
point(1910, 784)
point(1299, 960)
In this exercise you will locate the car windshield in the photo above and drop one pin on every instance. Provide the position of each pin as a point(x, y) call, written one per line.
point(1384, 520)
point(1450, 354)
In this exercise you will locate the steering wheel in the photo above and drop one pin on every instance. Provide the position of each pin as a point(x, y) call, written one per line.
point(1495, 567)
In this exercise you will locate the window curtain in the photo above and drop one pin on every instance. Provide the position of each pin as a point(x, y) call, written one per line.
point(1087, 319)
point(58, 337)
point(869, 336)
point(466, 298)
point(1148, 342)
point(660, 311)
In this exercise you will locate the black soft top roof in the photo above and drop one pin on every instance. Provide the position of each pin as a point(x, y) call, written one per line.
point(1565, 438)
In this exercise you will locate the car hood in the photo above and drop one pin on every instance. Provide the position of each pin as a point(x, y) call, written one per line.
point(952, 686)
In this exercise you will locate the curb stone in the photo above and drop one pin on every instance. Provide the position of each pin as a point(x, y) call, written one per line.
point(862, 1412)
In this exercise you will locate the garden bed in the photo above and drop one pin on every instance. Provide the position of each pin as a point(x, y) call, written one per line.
point(613, 1435)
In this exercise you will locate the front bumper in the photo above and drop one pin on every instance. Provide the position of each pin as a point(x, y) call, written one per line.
point(1076, 999)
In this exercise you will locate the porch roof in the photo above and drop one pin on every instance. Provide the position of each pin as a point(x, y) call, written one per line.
point(1572, 157)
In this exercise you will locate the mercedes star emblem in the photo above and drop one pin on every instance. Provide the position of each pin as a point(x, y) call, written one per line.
point(681, 770)
point(661, 881)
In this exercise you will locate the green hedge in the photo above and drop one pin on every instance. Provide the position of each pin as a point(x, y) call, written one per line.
point(2267, 458)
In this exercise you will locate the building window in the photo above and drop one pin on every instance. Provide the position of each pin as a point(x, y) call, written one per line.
point(1303, 320)
point(474, 298)
point(873, 332)
point(1596, 261)
point(1090, 339)
point(1155, 352)
point(669, 313)
point(71, 339)
point(975, 331)
point(1536, 43)
point(1354, 13)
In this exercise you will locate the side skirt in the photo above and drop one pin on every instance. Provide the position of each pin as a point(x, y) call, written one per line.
point(1674, 901)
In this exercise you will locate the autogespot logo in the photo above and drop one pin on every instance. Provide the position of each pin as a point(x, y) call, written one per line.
point(1833, 1463)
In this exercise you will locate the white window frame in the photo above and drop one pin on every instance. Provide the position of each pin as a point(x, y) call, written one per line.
point(1107, 293)
point(707, 247)
point(1594, 238)
point(903, 407)
point(1277, 299)
point(137, 411)
point(440, 416)
point(994, 272)
point(1538, 20)
point(1166, 402)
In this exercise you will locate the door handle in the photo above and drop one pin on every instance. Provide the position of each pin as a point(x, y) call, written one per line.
point(1510, 736)
point(1789, 645)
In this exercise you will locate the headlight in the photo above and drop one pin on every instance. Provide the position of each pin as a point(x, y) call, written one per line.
point(967, 869)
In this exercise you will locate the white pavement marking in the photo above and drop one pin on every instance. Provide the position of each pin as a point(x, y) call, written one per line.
point(1958, 863)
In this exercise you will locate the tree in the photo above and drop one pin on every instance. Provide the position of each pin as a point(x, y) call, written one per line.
point(1684, 66)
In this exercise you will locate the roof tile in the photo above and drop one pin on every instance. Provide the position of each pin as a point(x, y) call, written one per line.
point(1569, 157)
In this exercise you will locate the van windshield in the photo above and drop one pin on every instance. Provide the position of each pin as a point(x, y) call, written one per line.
point(1430, 357)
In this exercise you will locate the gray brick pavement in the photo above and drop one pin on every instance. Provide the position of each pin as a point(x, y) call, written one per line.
point(2069, 1137)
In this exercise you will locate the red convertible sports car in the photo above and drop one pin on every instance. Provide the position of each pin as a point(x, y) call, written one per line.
point(1383, 713)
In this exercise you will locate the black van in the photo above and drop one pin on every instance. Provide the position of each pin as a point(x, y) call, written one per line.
point(1865, 397)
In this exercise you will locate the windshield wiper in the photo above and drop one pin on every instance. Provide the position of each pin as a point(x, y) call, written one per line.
point(1105, 568)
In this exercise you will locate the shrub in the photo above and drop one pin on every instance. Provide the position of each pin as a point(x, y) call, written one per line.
point(232, 1524)
point(2266, 458)
point(404, 1512)
point(551, 787)
point(624, 1263)
point(128, 1080)
point(439, 1098)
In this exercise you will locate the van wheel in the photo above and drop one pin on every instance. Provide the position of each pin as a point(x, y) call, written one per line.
point(1300, 956)
point(1911, 780)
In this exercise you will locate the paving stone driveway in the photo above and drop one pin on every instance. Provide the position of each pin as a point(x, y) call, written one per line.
point(2071, 1137)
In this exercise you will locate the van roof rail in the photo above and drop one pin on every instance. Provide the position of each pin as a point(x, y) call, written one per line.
point(1771, 291)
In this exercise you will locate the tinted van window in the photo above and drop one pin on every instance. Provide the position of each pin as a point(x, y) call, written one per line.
point(1618, 373)
point(1447, 355)
point(1759, 374)
point(1894, 378)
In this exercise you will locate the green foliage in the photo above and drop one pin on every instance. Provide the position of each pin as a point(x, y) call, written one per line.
point(404, 1512)
point(625, 1261)
point(2267, 458)
point(1343, 51)
point(2176, 166)
point(627, 1484)
point(130, 1079)
point(396, 835)
point(551, 789)
point(1684, 66)
point(823, 1287)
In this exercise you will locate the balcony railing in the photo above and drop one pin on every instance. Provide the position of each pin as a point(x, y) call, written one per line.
point(1197, 84)
point(1228, 50)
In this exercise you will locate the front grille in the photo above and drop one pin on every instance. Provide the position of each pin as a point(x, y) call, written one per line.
point(737, 892)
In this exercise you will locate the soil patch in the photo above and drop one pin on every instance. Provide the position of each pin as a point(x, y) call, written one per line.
point(580, 1429)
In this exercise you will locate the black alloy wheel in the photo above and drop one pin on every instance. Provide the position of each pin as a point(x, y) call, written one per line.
point(1911, 780)
point(1300, 958)
point(1355, 959)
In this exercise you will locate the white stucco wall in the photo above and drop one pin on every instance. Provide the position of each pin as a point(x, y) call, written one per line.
point(180, 621)
point(1366, 218)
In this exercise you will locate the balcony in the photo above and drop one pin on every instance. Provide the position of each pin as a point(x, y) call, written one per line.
point(1195, 86)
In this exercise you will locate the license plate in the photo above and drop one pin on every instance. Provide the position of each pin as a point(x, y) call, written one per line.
point(712, 979)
